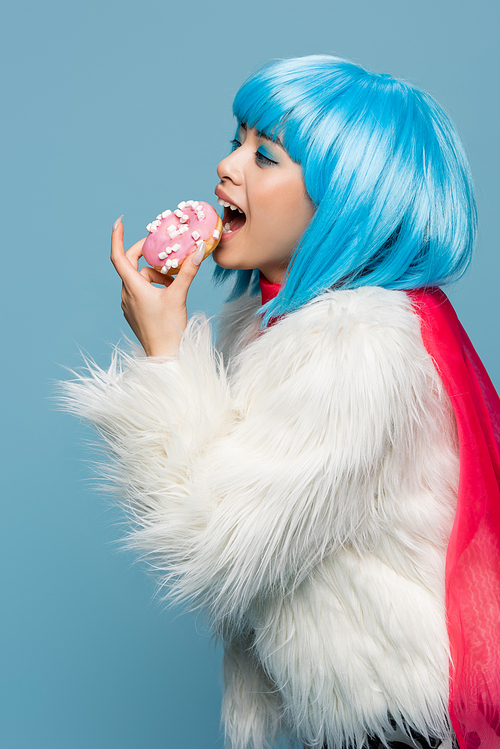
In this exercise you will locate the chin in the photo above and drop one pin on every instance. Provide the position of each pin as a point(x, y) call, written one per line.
point(227, 262)
point(220, 261)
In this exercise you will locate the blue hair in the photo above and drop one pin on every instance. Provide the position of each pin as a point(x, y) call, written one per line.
point(384, 167)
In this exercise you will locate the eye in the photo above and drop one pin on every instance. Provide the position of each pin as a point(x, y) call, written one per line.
point(235, 143)
point(264, 160)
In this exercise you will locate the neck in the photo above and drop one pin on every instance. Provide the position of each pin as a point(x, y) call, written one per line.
point(269, 290)
point(274, 273)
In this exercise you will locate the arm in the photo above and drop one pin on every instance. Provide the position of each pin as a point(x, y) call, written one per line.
point(238, 493)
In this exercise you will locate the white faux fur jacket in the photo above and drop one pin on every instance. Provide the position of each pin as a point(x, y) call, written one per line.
point(302, 494)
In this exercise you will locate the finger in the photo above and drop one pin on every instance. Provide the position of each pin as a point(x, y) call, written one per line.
point(188, 271)
point(134, 253)
point(154, 276)
point(117, 247)
point(123, 266)
point(118, 250)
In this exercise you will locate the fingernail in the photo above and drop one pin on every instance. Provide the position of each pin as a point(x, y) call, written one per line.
point(118, 222)
point(199, 254)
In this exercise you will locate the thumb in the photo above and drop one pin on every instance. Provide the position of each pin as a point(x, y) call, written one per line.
point(190, 266)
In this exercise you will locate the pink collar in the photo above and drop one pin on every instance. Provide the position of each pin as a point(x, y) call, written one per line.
point(268, 290)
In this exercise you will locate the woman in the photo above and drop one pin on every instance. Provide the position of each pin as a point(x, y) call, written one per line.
point(302, 491)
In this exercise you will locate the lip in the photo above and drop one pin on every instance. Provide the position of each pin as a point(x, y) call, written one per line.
point(224, 196)
point(227, 237)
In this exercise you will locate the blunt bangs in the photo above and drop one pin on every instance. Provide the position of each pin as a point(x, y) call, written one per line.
point(384, 167)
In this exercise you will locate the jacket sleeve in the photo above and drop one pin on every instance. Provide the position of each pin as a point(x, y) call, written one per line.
point(237, 492)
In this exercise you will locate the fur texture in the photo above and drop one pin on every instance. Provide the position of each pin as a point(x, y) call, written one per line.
point(301, 494)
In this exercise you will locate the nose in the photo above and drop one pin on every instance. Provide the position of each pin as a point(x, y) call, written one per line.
point(231, 168)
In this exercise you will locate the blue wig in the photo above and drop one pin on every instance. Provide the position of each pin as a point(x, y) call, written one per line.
point(384, 167)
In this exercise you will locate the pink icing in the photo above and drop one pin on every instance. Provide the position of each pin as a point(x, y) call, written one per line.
point(158, 241)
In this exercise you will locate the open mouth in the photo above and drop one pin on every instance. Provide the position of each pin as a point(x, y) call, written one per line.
point(233, 218)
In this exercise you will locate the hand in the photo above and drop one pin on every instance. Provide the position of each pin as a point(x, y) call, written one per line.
point(158, 317)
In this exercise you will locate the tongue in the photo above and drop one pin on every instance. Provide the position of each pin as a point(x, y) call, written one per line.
point(238, 222)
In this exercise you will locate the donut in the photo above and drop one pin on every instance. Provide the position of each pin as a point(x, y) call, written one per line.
point(174, 235)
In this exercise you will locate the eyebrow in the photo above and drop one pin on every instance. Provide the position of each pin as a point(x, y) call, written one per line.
point(262, 135)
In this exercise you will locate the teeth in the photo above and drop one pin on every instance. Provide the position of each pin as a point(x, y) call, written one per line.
point(227, 228)
point(229, 205)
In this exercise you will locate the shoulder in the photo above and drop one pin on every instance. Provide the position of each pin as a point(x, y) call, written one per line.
point(369, 308)
point(361, 345)
point(367, 335)
point(366, 322)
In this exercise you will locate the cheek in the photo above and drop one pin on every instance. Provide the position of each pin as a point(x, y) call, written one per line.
point(296, 219)
point(292, 203)
point(281, 209)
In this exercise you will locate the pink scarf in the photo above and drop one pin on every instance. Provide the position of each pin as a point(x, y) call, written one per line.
point(473, 555)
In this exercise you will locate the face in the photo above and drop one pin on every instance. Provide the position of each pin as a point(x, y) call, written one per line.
point(260, 179)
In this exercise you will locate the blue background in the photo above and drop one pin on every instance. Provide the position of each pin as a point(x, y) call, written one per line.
point(125, 107)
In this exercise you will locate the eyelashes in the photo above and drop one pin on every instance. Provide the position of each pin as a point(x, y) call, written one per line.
point(260, 157)
point(263, 159)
